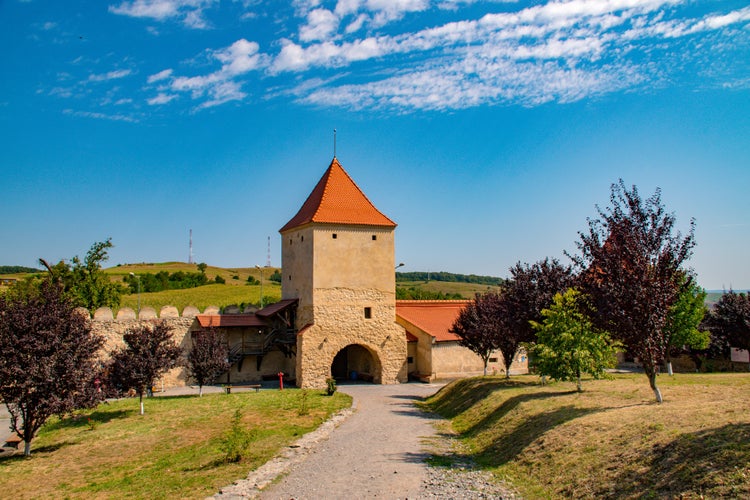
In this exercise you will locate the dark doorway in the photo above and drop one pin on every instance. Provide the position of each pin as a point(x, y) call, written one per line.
point(340, 365)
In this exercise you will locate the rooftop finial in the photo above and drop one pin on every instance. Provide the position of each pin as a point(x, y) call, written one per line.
point(334, 143)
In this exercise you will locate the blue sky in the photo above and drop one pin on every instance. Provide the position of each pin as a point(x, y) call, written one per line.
point(488, 131)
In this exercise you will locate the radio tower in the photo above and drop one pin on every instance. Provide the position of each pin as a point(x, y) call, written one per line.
point(268, 259)
point(190, 257)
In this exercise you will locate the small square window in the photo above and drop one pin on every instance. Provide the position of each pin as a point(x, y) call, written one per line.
point(493, 360)
point(374, 237)
point(410, 360)
point(290, 277)
point(368, 312)
point(334, 236)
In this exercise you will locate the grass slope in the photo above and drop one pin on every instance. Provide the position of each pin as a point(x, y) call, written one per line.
point(173, 451)
point(611, 441)
point(234, 291)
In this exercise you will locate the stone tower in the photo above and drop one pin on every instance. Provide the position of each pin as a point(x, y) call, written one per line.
point(338, 262)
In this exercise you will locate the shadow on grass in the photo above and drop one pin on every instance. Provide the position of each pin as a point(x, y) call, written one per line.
point(456, 398)
point(510, 444)
point(7, 458)
point(714, 463)
point(101, 415)
point(491, 419)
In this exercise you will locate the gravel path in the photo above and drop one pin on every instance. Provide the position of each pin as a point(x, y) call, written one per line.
point(378, 450)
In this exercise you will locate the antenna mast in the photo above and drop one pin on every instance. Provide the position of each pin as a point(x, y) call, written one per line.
point(268, 260)
point(334, 143)
point(190, 257)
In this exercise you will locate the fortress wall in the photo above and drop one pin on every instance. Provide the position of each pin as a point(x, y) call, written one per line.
point(112, 329)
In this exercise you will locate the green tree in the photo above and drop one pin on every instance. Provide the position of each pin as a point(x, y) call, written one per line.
point(48, 357)
point(684, 320)
point(85, 281)
point(568, 345)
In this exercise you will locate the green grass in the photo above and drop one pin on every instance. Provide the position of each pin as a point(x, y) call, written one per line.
point(234, 291)
point(203, 296)
point(612, 440)
point(173, 451)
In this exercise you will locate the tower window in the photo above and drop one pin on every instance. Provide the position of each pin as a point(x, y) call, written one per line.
point(368, 312)
point(302, 238)
point(334, 236)
point(374, 237)
point(410, 360)
point(290, 277)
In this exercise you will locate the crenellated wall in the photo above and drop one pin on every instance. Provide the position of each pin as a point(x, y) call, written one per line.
point(112, 329)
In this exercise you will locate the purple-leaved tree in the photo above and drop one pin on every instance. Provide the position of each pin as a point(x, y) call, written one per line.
point(630, 264)
point(48, 357)
point(207, 358)
point(149, 352)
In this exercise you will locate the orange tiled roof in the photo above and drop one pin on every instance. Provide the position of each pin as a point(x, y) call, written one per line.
point(336, 199)
point(434, 317)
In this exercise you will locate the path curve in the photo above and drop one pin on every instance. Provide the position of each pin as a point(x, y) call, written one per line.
point(378, 451)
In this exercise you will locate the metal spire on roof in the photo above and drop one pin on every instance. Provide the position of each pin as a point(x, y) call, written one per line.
point(334, 143)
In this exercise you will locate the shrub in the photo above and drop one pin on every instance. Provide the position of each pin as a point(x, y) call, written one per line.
point(236, 440)
point(330, 386)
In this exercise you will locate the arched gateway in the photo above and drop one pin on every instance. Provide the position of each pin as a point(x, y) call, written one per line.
point(356, 362)
point(338, 263)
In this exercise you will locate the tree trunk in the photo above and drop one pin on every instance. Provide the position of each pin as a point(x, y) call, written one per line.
point(507, 372)
point(27, 448)
point(579, 387)
point(652, 381)
point(669, 368)
point(486, 360)
point(200, 391)
point(141, 400)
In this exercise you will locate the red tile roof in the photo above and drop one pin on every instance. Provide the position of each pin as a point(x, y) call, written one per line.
point(336, 199)
point(434, 317)
point(229, 320)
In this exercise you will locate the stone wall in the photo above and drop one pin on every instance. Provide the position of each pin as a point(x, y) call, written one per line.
point(112, 329)
point(340, 322)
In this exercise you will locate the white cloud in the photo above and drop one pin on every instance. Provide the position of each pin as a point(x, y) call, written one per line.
point(111, 75)
point(100, 116)
point(190, 11)
point(321, 23)
point(161, 75)
point(161, 98)
point(220, 86)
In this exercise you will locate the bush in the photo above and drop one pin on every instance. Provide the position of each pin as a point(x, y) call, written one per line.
point(236, 440)
point(330, 386)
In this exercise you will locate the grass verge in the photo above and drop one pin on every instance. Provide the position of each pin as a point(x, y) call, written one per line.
point(173, 451)
point(611, 441)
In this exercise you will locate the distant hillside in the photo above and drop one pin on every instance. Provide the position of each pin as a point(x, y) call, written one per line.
point(449, 277)
point(18, 270)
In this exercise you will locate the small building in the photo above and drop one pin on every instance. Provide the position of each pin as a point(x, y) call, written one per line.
point(433, 350)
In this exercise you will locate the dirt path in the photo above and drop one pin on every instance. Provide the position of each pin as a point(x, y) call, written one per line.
point(375, 452)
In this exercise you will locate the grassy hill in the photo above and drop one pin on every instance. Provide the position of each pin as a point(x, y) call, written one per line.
point(611, 441)
point(234, 291)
